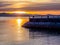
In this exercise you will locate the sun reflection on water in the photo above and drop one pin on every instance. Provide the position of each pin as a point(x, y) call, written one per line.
point(18, 33)
point(19, 21)
point(21, 33)
point(12, 31)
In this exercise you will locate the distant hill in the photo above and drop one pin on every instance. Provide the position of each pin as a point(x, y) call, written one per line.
point(24, 15)
point(14, 15)
point(7, 15)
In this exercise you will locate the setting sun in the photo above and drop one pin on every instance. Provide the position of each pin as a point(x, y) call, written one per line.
point(22, 12)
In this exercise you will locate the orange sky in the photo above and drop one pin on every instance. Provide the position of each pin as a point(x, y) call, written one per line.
point(45, 12)
point(56, 12)
point(31, 6)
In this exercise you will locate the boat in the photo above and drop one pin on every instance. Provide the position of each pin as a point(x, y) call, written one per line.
point(46, 21)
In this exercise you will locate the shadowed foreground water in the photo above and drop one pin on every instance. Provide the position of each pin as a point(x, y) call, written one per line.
point(11, 33)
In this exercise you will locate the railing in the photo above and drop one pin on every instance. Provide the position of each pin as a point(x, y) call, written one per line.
point(45, 16)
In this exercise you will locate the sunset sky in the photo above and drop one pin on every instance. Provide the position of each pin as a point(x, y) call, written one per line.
point(35, 6)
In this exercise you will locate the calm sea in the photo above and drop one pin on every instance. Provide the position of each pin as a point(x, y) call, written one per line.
point(12, 33)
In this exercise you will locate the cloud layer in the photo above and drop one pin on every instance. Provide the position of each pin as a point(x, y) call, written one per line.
point(37, 7)
point(33, 7)
point(29, 6)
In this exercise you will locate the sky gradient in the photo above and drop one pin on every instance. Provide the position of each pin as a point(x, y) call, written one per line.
point(30, 5)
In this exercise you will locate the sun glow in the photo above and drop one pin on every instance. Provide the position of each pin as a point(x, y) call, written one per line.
point(19, 21)
point(20, 12)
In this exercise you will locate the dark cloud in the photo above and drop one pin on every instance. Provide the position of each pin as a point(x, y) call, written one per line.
point(37, 7)
point(3, 4)
point(9, 9)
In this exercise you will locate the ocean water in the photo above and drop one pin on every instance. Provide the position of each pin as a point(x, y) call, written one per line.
point(12, 33)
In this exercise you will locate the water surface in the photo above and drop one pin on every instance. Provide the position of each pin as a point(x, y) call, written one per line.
point(12, 33)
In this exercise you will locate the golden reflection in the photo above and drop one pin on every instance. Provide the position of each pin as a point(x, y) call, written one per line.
point(18, 33)
point(19, 22)
point(21, 33)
